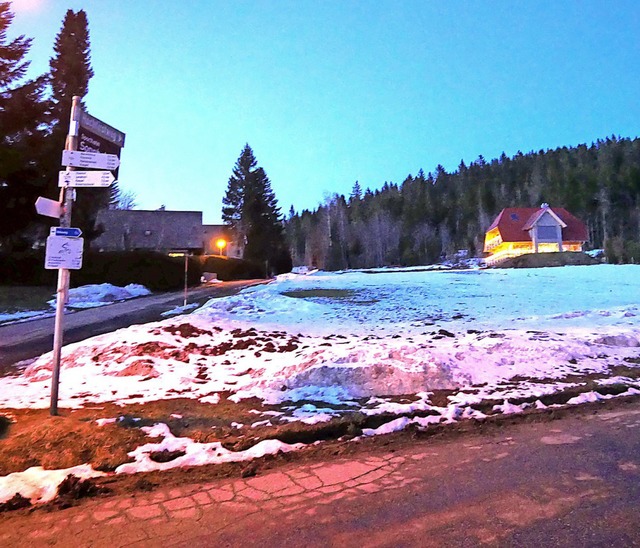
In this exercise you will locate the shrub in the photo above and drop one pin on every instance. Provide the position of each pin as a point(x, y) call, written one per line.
point(156, 271)
point(25, 268)
point(230, 269)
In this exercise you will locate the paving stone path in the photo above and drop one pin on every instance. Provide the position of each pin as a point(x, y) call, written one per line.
point(570, 482)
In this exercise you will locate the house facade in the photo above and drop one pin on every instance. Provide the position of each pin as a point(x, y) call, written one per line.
point(160, 230)
point(163, 231)
point(520, 230)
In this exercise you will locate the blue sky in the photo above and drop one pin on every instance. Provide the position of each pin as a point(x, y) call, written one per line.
point(330, 92)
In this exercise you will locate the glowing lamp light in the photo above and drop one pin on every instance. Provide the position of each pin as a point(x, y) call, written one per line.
point(221, 244)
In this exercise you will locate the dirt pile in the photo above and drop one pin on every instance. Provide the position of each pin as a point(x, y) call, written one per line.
point(538, 260)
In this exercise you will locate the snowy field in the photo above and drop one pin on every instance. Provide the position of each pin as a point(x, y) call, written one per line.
point(344, 336)
point(318, 346)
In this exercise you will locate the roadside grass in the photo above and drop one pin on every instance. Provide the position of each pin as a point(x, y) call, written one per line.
point(24, 298)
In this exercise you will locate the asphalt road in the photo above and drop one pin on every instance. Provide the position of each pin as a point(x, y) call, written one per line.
point(22, 341)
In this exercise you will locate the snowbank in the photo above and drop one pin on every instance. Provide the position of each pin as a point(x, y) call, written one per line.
point(91, 296)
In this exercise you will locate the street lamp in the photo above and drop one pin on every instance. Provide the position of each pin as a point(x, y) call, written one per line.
point(221, 244)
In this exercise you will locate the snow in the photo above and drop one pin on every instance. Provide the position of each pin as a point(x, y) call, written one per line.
point(91, 296)
point(379, 342)
point(87, 296)
point(22, 315)
point(338, 337)
point(40, 485)
point(195, 453)
point(180, 310)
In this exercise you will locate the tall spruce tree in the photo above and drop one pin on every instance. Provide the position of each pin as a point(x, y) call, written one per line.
point(23, 130)
point(70, 73)
point(250, 208)
point(70, 68)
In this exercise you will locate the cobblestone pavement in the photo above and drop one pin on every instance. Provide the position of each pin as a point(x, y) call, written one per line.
point(569, 482)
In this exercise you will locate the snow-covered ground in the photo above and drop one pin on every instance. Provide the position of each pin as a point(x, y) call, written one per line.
point(321, 343)
point(86, 296)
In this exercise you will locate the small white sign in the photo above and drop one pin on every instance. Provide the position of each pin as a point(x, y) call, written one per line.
point(48, 208)
point(97, 160)
point(63, 252)
point(85, 178)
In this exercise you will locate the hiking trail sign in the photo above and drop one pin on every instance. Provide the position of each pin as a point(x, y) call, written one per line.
point(96, 160)
point(87, 179)
point(63, 252)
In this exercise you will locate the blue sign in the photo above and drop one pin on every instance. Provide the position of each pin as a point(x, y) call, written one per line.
point(66, 231)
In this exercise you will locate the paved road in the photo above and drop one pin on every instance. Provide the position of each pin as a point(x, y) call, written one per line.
point(569, 482)
point(21, 341)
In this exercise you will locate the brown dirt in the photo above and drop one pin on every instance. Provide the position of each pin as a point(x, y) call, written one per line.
point(35, 438)
point(537, 260)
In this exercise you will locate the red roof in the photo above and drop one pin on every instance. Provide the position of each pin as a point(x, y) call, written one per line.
point(512, 220)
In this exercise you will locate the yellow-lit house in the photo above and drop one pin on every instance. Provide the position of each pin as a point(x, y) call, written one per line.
point(520, 230)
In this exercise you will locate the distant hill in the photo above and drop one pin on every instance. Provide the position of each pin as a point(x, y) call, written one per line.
point(433, 215)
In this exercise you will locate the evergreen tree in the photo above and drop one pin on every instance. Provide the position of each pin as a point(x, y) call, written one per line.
point(70, 74)
point(250, 208)
point(70, 68)
point(356, 191)
point(22, 132)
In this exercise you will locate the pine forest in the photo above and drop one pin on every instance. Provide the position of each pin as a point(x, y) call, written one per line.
point(429, 217)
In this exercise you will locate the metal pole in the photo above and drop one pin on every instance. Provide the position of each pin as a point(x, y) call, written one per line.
point(66, 197)
point(186, 272)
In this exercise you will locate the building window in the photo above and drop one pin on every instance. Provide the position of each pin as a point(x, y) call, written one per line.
point(147, 233)
point(547, 233)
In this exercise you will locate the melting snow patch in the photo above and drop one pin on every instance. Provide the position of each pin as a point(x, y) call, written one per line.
point(194, 453)
point(179, 310)
point(507, 408)
point(389, 427)
point(102, 422)
point(40, 485)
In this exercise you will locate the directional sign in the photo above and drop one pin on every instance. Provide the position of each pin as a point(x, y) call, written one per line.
point(49, 208)
point(85, 178)
point(101, 130)
point(70, 232)
point(63, 252)
point(75, 158)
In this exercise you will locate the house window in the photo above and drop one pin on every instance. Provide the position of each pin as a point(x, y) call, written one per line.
point(547, 233)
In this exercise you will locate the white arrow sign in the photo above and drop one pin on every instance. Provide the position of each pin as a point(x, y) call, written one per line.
point(85, 178)
point(75, 158)
point(49, 208)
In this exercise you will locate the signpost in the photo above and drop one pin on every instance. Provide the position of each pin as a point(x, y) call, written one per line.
point(91, 144)
point(90, 179)
point(75, 158)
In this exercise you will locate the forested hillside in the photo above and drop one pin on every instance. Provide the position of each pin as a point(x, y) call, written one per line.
point(428, 216)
